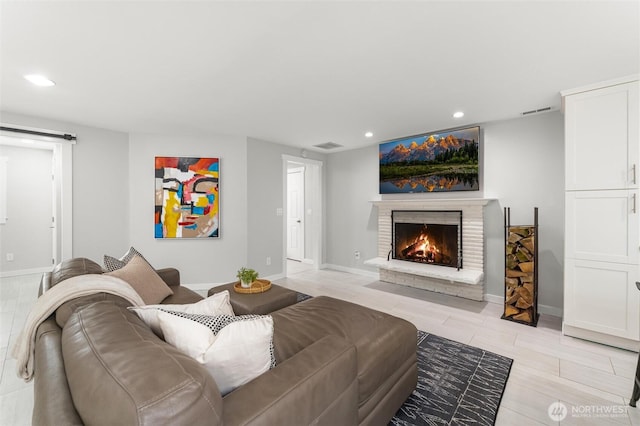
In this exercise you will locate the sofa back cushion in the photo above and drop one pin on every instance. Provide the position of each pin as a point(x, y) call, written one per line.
point(120, 372)
point(68, 308)
point(71, 267)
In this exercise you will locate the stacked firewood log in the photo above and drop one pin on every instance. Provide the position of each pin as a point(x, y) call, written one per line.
point(519, 274)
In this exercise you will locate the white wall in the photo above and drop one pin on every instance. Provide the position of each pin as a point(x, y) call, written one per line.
point(522, 167)
point(27, 233)
point(352, 221)
point(265, 195)
point(113, 188)
point(100, 182)
point(206, 260)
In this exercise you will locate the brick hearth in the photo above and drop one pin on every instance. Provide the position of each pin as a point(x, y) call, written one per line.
point(467, 282)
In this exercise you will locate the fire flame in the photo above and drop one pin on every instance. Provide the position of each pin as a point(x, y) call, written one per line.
point(425, 247)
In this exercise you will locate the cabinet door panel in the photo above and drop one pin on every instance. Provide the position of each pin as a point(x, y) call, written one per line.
point(602, 297)
point(602, 226)
point(601, 138)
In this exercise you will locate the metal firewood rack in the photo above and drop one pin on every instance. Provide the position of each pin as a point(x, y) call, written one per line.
point(521, 271)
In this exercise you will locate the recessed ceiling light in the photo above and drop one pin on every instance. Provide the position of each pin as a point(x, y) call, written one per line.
point(368, 134)
point(458, 114)
point(39, 80)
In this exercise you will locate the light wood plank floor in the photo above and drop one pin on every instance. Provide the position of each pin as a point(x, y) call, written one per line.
point(591, 380)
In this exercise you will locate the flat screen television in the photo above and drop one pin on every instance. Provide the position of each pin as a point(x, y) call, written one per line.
point(431, 162)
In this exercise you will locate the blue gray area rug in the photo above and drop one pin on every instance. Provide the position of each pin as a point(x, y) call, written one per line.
point(458, 384)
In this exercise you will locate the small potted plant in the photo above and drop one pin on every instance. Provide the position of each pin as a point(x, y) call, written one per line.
point(246, 276)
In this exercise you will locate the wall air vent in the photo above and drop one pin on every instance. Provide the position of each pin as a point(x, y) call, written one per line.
point(328, 145)
point(536, 111)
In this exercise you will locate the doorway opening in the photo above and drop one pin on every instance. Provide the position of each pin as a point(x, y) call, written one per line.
point(303, 218)
point(46, 208)
point(295, 211)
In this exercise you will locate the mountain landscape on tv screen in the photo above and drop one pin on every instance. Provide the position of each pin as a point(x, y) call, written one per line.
point(429, 150)
point(430, 163)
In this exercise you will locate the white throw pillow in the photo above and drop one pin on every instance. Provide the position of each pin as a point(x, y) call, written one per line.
point(190, 337)
point(216, 304)
point(241, 351)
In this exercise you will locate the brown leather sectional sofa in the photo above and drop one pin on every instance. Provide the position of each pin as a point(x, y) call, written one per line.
point(338, 363)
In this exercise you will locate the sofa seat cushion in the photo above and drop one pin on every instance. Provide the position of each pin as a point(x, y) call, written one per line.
point(124, 374)
point(384, 344)
point(317, 386)
point(182, 295)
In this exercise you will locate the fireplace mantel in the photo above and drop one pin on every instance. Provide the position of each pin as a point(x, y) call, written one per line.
point(432, 203)
point(467, 282)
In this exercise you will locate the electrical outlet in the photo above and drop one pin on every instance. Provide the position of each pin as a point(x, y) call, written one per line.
point(9, 257)
point(357, 255)
point(268, 260)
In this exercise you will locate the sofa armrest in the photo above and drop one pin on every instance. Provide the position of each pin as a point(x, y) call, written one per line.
point(120, 373)
point(52, 398)
point(171, 276)
point(316, 386)
point(45, 283)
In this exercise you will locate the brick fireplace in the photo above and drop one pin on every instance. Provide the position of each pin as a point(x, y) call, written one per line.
point(466, 277)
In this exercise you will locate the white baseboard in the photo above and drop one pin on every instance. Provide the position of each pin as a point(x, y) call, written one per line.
point(16, 273)
point(542, 309)
point(605, 339)
point(201, 286)
point(207, 286)
point(275, 277)
point(492, 298)
point(356, 271)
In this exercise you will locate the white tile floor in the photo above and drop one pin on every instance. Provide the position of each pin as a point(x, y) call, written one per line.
point(590, 379)
point(17, 295)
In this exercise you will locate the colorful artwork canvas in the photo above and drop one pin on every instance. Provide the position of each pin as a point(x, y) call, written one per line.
point(187, 197)
point(431, 162)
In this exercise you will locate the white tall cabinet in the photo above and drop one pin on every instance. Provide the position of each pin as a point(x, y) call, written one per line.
point(602, 231)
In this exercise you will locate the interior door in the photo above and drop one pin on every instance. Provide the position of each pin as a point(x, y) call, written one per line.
point(295, 213)
point(54, 211)
point(27, 237)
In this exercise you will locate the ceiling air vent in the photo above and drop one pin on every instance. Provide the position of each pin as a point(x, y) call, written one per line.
point(328, 145)
point(536, 111)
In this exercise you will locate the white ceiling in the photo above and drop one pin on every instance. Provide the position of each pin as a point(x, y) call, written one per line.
point(306, 73)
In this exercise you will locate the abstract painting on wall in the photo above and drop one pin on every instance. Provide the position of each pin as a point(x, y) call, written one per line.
point(187, 197)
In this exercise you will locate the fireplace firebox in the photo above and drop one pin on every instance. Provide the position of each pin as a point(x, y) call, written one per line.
point(429, 237)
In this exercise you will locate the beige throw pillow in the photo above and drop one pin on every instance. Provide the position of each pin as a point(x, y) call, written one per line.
point(141, 276)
